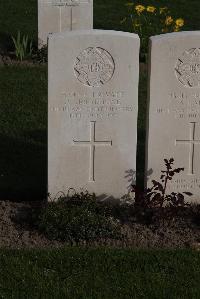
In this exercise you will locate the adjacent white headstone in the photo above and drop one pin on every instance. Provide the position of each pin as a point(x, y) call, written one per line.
point(174, 109)
point(63, 15)
point(92, 111)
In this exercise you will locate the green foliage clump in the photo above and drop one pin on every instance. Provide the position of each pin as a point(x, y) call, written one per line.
point(155, 203)
point(23, 46)
point(78, 218)
point(150, 20)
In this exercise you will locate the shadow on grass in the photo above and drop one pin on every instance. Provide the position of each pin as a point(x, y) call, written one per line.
point(6, 43)
point(23, 167)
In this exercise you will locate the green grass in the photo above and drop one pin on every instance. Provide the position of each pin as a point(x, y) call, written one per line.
point(17, 15)
point(22, 15)
point(23, 130)
point(99, 273)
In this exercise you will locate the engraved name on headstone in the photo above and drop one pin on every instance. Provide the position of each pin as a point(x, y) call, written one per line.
point(92, 108)
point(63, 15)
point(174, 109)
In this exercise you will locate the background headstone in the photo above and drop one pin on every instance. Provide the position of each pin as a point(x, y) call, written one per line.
point(174, 109)
point(63, 15)
point(92, 106)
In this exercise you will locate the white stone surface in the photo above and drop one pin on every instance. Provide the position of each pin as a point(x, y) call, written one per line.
point(174, 109)
point(92, 108)
point(63, 15)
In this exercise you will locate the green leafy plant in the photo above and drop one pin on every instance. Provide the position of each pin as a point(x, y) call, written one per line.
point(23, 46)
point(154, 202)
point(150, 20)
point(78, 218)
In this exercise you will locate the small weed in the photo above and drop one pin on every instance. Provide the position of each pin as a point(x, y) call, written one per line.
point(154, 203)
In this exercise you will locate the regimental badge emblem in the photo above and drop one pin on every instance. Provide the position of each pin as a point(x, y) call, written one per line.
point(94, 67)
point(187, 68)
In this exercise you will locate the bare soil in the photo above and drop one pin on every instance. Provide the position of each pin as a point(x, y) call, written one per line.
point(17, 230)
point(10, 60)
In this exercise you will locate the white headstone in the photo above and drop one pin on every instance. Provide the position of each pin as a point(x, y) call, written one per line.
point(92, 106)
point(174, 109)
point(63, 15)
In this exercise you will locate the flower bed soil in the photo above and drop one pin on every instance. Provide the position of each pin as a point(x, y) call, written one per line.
point(18, 231)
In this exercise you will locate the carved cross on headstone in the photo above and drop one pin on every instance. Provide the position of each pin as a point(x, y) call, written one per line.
point(191, 142)
point(92, 143)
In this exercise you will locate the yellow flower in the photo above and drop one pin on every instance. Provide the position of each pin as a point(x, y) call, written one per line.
point(168, 21)
point(139, 8)
point(179, 22)
point(151, 8)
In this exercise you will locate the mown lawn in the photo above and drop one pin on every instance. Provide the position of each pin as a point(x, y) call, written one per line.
point(23, 130)
point(99, 273)
point(22, 15)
